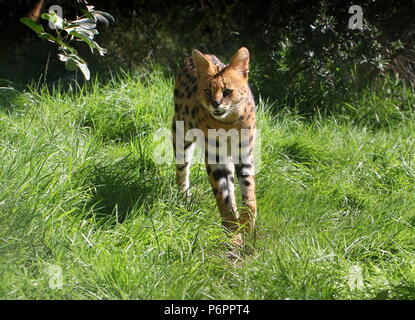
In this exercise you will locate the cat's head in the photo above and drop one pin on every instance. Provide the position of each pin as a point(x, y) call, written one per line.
point(222, 91)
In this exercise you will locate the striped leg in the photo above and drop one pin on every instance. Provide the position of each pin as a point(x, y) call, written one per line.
point(222, 182)
point(183, 151)
point(245, 174)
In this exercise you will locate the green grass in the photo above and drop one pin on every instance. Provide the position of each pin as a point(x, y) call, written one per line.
point(79, 189)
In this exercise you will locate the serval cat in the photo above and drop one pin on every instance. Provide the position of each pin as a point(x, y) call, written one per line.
point(215, 97)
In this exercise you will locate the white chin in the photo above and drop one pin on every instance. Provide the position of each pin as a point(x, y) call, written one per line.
point(220, 116)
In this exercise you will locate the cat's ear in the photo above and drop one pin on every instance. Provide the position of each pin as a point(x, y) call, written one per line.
point(240, 62)
point(203, 65)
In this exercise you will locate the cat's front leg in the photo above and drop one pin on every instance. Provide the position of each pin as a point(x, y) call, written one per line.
point(222, 183)
point(245, 174)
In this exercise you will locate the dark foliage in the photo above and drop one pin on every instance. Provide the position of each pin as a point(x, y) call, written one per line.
point(304, 54)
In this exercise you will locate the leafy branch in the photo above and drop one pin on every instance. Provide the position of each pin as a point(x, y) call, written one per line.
point(82, 29)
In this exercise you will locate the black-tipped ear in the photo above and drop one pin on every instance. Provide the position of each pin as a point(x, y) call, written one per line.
point(240, 62)
point(203, 65)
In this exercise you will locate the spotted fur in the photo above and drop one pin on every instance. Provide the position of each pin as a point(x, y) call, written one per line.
point(211, 95)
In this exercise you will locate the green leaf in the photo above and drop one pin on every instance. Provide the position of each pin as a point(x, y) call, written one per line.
point(84, 38)
point(101, 18)
point(75, 61)
point(86, 23)
point(105, 14)
point(49, 17)
point(32, 25)
point(63, 57)
point(49, 37)
point(54, 18)
point(102, 51)
point(70, 65)
point(84, 68)
point(68, 47)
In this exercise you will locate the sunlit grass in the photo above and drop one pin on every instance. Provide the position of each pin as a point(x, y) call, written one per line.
point(79, 189)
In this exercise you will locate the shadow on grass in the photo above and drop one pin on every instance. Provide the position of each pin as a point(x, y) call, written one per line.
point(122, 187)
point(397, 292)
point(307, 155)
point(9, 98)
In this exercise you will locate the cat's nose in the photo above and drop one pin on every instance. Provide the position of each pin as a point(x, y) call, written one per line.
point(216, 103)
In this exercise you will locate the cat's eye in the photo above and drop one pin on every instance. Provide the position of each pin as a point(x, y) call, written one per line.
point(208, 92)
point(227, 92)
